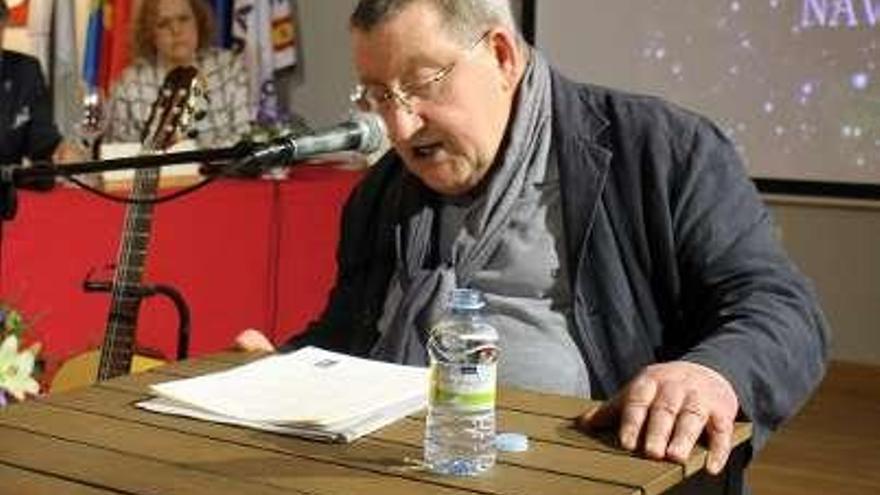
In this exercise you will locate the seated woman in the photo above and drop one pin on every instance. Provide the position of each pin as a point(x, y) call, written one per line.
point(169, 34)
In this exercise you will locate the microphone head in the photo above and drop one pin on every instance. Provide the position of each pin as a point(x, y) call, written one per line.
point(373, 131)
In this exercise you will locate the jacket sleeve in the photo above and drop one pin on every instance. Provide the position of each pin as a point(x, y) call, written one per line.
point(43, 136)
point(762, 326)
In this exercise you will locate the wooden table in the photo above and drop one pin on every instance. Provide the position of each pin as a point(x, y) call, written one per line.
point(94, 441)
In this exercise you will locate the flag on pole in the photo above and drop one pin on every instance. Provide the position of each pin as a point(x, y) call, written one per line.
point(107, 42)
point(65, 73)
point(120, 40)
point(283, 35)
point(263, 31)
point(94, 37)
point(223, 15)
point(18, 12)
point(39, 28)
point(51, 28)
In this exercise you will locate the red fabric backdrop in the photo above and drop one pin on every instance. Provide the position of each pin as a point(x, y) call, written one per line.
point(243, 254)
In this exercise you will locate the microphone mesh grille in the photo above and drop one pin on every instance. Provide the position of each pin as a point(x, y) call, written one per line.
point(374, 131)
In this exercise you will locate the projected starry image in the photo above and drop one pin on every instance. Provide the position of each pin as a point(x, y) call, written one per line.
point(794, 83)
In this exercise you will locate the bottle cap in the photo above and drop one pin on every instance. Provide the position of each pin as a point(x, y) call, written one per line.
point(511, 442)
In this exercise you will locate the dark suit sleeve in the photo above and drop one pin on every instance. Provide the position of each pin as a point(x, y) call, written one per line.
point(764, 330)
point(42, 136)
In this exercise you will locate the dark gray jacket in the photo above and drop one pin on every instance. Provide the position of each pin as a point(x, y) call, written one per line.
point(674, 253)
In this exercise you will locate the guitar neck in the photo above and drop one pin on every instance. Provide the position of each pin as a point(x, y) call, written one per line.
point(118, 348)
point(169, 113)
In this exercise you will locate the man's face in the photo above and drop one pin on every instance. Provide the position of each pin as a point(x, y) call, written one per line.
point(175, 33)
point(450, 139)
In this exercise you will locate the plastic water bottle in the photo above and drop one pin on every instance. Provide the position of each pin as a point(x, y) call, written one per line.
point(460, 427)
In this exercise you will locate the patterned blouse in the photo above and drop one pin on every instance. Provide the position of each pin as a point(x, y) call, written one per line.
point(227, 111)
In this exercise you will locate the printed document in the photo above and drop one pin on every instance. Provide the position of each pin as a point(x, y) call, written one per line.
point(310, 392)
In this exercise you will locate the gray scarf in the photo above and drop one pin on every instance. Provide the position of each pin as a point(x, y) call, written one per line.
point(421, 287)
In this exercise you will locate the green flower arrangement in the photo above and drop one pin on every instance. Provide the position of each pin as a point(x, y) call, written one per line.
point(16, 364)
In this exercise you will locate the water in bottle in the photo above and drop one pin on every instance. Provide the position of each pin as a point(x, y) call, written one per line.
point(463, 352)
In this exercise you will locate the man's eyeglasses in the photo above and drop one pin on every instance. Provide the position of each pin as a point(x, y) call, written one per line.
point(378, 98)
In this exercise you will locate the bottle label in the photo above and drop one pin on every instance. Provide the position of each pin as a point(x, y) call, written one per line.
point(463, 387)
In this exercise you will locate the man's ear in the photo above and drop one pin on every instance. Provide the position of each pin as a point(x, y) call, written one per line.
point(508, 55)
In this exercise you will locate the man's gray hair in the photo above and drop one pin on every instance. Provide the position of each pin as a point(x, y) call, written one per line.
point(462, 18)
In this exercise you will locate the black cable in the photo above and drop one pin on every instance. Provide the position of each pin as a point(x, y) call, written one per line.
point(228, 169)
point(133, 201)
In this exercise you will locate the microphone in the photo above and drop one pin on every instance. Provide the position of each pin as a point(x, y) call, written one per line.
point(363, 133)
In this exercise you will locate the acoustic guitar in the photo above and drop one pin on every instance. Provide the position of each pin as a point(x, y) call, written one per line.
point(170, 114)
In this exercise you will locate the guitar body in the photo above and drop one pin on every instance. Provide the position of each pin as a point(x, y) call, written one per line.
point(169, 114)
point(82, 369)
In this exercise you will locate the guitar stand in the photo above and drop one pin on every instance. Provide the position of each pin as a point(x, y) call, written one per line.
point(144, 291)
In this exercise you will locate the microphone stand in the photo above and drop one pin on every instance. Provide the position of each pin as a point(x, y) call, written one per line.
point(40, 176)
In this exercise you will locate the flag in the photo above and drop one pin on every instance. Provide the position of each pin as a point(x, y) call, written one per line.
point(120, 40)
point(223, 15)
point(94, 35)
point(251, 33)
point(283, 35)
point(19, 14)
point(263, 31)
point(65, 76)
point(53, 42)
point(107, 42)
point(39, 24)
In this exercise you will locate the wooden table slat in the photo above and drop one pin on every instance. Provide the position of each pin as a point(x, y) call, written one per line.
point(652, 477)
point(27, 482)
point(105, 468)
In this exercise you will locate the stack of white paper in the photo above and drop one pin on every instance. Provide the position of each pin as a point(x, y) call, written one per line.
point(311, 392)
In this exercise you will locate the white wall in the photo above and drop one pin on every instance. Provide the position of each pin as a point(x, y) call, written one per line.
point(319, 87)
point(836, 244)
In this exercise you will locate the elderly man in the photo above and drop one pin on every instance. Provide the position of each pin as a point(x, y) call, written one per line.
point(622, 250)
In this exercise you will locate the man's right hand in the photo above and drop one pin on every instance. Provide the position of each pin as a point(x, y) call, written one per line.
point(252, 340)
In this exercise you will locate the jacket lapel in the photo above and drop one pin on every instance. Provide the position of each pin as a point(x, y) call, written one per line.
point(583, 162)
